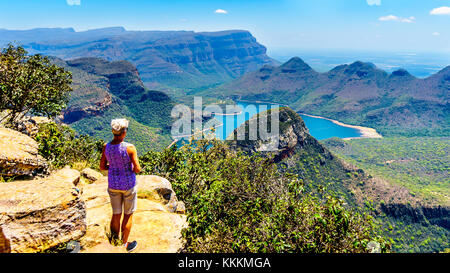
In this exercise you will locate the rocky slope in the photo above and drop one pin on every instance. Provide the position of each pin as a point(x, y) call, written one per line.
point(358, 93)
point(183, 59)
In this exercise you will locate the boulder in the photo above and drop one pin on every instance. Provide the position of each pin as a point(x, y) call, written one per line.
point(91, 175)
point(19, 155)
point(30, 125)
point(158, 189)
point(181, 208)
point(39, 214)
point(156, 228)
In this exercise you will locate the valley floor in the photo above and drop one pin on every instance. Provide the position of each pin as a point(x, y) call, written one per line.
point(413, 171)
point(420, 164)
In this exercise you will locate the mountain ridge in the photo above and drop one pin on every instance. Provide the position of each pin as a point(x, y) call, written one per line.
point(356, 93)
point(165, 59)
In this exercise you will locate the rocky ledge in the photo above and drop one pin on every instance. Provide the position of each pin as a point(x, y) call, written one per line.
point(39, 214)
point(19, 155)
point(157, 223)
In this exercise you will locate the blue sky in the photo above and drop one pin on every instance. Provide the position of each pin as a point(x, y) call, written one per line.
point(381, 25)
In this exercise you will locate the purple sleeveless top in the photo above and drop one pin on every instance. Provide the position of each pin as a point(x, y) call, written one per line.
point(120, 173)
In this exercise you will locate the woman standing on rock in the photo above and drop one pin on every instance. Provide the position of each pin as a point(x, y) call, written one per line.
point(121, 161)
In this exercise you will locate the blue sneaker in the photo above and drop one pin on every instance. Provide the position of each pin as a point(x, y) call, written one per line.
point(131, 246)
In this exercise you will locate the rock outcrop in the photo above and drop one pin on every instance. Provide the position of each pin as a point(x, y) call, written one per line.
point(292, 135)
point(19, 155)
point(36, 215)
point(156, 226)
point(91, 175)
point(30, 125)
point(39, 214)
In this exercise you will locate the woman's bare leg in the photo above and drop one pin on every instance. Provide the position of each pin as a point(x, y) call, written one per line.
point(126, 226)
point(115, 225)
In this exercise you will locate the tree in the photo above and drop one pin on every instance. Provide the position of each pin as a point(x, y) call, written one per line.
point(31, 84)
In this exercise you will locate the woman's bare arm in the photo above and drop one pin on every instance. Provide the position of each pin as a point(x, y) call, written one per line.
point(132, 152)
point(103, 161)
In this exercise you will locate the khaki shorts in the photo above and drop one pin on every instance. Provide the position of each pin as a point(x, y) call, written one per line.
point(126, 199)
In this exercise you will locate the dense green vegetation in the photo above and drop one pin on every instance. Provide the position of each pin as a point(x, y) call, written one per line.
point(144, 137)
point(241, 203)
point(421, 164)
point(414, 237)
point(30, 84)
point(62, 146)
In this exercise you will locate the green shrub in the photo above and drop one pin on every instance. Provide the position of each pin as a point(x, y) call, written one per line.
point(62, 146)
point(240, 203)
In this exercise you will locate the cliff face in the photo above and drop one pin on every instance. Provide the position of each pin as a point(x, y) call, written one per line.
point(436, 215)
point(19, 155)
point(172, 58)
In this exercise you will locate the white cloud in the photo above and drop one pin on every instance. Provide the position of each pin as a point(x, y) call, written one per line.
point(221, 11)
point(408, 20)
point(391, 17)
point(73, 2)
point(441, 11)
point(374, 2)
point(435, 34)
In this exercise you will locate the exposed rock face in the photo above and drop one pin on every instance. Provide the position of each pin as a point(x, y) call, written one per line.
point(102, 90)
point(39, 214)
point(77, 112)
point(155, 225)
point(436, 215)
point(30, 125)
point(91, 175)
point(159, 189)
point(19, 155)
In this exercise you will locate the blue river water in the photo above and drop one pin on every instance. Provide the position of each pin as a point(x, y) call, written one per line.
point(319, 128)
